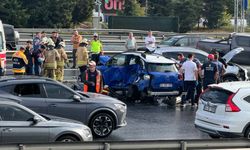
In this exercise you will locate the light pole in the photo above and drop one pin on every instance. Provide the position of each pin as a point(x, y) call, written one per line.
point(98, 3)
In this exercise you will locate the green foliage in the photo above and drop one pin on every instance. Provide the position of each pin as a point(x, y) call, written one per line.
point(213, 11)
point(82, 10)
point(11, 12)
point(133, 8)
point(225, 21)
point(160, 7)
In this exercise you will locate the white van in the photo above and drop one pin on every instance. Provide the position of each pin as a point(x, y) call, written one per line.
point(2, 50)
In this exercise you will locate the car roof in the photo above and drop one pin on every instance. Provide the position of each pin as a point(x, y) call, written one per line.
point(180, 50)
point(232, 86)
point(19, 77)
point(151, 58)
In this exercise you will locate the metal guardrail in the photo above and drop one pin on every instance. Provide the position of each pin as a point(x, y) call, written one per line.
point(137, 145)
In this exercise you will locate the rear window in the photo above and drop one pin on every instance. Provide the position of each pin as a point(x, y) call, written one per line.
point(216, 95)
point(154, 67)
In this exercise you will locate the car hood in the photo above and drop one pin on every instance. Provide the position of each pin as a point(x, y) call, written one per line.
point(228, 56)
point(100, 98)
point(59, 119)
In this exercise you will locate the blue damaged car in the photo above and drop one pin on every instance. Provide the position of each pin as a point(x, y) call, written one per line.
point(142, 76)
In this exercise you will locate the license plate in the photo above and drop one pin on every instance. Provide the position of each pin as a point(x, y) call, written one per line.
point(209, 108)
point(166, 85)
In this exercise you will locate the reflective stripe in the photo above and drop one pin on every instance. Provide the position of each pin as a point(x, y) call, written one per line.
point(17, 70)
point(60, 63)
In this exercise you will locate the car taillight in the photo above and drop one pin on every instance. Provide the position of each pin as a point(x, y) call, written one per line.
point(230, 106)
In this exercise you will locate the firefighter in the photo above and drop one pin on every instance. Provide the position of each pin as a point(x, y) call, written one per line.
point(60, 63)
point(92, 79)
point(19, 62)
point(50, 62)
point(82, 56)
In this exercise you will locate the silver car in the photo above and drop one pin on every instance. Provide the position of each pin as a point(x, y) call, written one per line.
point(19, 124)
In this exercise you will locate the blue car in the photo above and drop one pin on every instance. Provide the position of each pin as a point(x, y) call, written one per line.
point(142, 76)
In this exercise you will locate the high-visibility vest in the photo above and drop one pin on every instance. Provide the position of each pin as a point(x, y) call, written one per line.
point(98, 82)
point(19, 61)
point(96, 46)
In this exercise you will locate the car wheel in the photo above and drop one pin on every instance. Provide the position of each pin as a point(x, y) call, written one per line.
point(67, 138)
point(214, 136)
point(247, 133)
point(102, 125)
point(230, 79)
point(171, 100)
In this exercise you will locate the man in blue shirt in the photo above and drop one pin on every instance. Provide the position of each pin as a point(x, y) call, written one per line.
point(37, 41)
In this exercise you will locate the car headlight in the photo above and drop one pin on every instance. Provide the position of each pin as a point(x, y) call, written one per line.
point(146, 77)
point(87, 132)
point(121, 107)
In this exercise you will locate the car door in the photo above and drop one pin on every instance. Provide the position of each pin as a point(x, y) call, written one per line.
point(114, 74)
point(31, 94)
point(16, 127)
point(60, 102)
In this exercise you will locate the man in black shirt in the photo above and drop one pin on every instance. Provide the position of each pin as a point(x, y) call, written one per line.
point(28, 53)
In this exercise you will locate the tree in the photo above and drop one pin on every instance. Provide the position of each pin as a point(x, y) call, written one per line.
point(82, 10)
point(160, 7)
point(213, 12)
point(12, 12)
point(133, 8)
point(187, 11)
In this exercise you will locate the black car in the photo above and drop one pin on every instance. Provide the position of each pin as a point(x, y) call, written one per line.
point(101, 113)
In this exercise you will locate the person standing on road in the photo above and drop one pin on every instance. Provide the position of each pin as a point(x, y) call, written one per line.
point(82, 56)
point(29, 55)
point(44, 39)
point(220, 66)
point(181, 58)
point(75, 39)
point(38, 59)
point(130, 43)
point(60, 63)
point(209, 71)
point(19, 62)
point(96, 48)
point(92, 79)
point(189, 68)
point(50, 63)
point(198, 87)
point(150, 41)
point(37, 41)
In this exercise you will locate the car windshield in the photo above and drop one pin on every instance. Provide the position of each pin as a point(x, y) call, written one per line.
point(169, 41)
point(216, 95)
point(156, 67)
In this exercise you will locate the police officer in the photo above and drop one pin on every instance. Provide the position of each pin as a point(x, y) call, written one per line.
point(19, 62)
point(60, 63)
point(209, 72)
point(96, 48)
point(50, 62)
point(92, 79)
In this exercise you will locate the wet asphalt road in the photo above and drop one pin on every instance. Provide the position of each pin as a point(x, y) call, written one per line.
point(151, 122)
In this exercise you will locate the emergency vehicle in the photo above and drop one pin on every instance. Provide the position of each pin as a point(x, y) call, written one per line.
point(2, 50)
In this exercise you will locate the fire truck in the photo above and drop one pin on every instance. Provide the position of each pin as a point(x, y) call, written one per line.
point(2, 50)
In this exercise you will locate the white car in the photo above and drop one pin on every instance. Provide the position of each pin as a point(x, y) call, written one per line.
point(224, 110)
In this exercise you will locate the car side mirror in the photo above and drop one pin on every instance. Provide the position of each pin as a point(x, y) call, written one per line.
point(35, 120)
point(77, 98)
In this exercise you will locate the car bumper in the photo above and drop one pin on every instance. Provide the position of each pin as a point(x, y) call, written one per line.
point(124, 123)
point(219, 133)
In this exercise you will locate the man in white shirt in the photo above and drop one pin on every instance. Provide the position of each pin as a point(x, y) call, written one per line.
point(131, 42)
point(190, 71)
point(150, 40)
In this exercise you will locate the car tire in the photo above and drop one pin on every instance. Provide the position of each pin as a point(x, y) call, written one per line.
point(247, 133)
point(230, 79)
point(214, 136)
point(171, 100)
point(102, 125)
point(67, 139)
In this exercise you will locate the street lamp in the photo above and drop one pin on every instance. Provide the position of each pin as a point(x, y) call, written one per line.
point(98, 3)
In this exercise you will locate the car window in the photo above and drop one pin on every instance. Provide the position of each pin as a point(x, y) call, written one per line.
point(216, 95)
point(170, 55)
point(135, 60)
point(118, 60)
point(200, 57)
point(193, 41)
point(58, 92)
point(12, 113)
point(182, 42)
point(247, 99)
point(24, 90)
point(154, 67)
point(243, 41)
point(169, 41)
